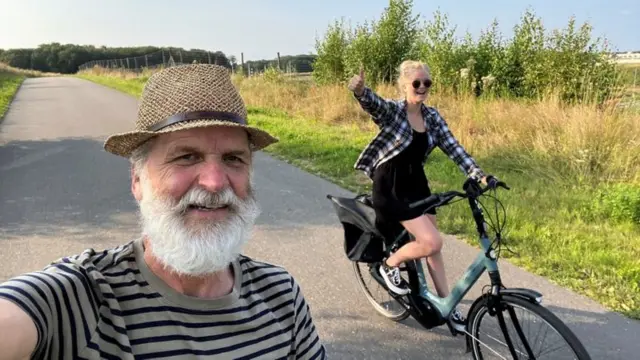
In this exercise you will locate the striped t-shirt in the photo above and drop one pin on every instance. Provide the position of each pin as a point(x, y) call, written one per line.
point(109, 305)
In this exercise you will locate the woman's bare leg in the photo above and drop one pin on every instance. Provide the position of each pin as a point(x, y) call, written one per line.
point(428, 243)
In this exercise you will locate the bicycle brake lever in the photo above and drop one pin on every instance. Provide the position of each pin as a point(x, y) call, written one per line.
point(502, 184)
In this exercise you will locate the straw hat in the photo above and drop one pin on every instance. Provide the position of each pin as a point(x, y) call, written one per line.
point(187, 97)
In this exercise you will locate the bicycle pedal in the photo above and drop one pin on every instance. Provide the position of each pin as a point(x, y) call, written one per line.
point(453, 330)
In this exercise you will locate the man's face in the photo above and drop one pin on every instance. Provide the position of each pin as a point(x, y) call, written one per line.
point(196, 199)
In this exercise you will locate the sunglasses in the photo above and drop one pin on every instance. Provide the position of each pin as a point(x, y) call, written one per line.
point(416, 83)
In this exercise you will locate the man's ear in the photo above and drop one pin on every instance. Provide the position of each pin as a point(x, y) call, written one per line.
point(136, 187)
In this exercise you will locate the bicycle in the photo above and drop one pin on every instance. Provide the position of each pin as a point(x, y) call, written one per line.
point(364, 243)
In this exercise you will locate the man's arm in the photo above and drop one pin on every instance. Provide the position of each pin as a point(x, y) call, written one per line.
point(35, 304)
point(306, 342)
point(19, 333)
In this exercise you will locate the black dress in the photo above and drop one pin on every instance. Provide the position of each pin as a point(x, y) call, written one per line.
point(401, 180)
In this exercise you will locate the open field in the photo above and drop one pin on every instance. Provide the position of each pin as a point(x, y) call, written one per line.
point(574, 208)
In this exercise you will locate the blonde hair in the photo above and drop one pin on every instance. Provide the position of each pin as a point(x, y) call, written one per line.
point(406, 69)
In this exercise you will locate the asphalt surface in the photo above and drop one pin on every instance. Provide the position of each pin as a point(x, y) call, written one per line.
point(60, 193)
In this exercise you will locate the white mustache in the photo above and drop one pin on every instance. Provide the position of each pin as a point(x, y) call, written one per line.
point(200, 197)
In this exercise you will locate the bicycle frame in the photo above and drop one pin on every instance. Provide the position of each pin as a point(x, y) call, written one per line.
point(462, 286)
point(485, 260)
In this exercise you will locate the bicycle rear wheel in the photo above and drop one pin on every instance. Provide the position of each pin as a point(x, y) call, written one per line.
point(533, 332)
point(377, 295)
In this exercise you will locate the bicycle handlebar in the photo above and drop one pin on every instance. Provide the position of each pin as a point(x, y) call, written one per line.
point(471, 190)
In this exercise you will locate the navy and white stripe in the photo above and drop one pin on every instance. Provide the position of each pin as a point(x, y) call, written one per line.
point(99, 305)
point(395, 135)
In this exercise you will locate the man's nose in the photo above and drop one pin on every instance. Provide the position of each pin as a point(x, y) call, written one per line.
point(213, 176)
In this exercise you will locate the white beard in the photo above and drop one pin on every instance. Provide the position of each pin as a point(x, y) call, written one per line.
point(205, 247)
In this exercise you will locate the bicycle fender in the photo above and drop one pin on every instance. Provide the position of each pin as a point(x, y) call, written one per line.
point(526, 294)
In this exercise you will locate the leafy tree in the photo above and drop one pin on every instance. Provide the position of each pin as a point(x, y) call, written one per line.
point(329, 65)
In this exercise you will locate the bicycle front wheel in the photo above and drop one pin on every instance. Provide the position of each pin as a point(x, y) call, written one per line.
point(520, 329)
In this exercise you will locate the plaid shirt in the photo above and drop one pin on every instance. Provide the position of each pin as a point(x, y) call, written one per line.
point(395, 135)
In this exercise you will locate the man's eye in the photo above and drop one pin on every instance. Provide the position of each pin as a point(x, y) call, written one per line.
point(234, 159)
point(187, 157)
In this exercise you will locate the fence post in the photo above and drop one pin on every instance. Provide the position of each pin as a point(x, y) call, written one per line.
point(163, 58)
point(180, 53)
point(128, 66)
point(242, 62)
point(279, 61)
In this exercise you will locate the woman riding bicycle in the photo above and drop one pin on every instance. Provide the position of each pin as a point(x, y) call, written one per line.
point(394, 160)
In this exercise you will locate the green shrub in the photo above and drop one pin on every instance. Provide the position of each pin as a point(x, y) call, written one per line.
point(619, 202)
point(272, 74)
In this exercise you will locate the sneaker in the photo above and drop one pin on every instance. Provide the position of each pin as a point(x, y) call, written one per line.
point(391, 276)
point(458, 321)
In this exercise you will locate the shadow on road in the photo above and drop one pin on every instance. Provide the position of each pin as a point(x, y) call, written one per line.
point(361, 346)
point(401, 342)
point(73, 184)
point(592, 329)
point(605, 335)
point(70, 183)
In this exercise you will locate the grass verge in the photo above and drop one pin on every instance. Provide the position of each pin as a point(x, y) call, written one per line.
point(9, 84)
point(563, 224)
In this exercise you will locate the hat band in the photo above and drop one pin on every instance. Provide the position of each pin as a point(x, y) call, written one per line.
point(198, 115)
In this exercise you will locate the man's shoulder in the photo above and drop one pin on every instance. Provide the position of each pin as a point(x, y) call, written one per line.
point(88, 263)
point(253, 268)
point(92, 260)
point(84, 267)
point(265, 278)
point(76, 274)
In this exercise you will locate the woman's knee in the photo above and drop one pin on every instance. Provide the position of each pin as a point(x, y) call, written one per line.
point(431, 241)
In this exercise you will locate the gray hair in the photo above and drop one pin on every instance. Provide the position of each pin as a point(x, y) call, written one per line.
point(139, 155)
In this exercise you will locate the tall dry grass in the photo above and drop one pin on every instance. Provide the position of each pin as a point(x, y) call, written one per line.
point(550, 139)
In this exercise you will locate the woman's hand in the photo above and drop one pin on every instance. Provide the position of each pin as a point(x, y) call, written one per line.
point(493, 182)
point(356, 84)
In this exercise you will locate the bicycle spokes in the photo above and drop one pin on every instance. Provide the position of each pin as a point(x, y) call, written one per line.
point(518, 332)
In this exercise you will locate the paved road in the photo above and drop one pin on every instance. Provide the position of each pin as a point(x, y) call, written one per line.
point(61, 193)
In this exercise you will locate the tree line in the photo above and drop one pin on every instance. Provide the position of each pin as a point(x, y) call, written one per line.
point(66, 58)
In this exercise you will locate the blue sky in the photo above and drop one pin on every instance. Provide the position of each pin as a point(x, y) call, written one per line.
point(262, 28)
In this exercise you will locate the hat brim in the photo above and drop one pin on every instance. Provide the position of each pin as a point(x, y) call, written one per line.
point(125, 143)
